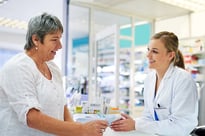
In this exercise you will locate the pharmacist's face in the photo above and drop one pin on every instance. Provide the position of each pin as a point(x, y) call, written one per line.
point(158, 56)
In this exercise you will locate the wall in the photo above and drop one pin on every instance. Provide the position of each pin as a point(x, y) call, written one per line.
point(197, 24)
point(184, 26)
point(179, 25)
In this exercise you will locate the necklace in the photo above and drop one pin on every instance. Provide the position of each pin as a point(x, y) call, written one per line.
point(44, 70)
point(42, 67)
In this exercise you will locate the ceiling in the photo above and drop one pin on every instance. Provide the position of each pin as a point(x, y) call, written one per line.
point(145, 9)
point(142, 9)
point(23, 10)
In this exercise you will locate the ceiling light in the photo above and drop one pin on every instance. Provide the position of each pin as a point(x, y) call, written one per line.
point(3, 1)
point(6, 22)
point(193, 5)
point(137, 23)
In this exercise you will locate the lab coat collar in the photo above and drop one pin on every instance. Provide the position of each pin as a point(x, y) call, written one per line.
point(169, 71)
point(167, 75)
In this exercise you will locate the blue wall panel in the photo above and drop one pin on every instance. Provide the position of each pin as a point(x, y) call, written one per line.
point(142, 36)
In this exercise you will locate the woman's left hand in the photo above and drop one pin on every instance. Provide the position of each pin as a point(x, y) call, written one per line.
point(126, 123)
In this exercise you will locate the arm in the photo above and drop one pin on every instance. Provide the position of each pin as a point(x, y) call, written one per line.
point(42, 122)
point(126, 123)
point(181, 116)
point(183, 111)
point(27, 108)
point(67, 115)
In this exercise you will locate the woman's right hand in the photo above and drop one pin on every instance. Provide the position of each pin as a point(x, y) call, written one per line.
point(94, 128)
point(126, 123)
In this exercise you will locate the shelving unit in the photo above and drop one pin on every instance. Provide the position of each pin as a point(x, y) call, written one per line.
point(113, 65)
point(124, 79)
point(140, 74)
point(193, 50)
point(194, 55)
point(106, 63)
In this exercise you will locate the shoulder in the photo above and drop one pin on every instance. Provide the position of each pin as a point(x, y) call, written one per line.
point(19, 67)
point(182, 74)
point(19, 61)
point(183, 79)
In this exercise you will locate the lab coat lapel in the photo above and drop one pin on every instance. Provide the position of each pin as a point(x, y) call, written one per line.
point(152, 91)
point(152, 87)
point(152, 94)
point(161, 86)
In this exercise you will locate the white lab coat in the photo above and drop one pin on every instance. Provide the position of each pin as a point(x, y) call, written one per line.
point(176, 104)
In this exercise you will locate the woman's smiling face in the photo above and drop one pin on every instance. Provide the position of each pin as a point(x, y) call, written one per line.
point(49, 47)
point(158, 56)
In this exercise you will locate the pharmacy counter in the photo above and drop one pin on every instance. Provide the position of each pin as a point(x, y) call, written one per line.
point(110, 132)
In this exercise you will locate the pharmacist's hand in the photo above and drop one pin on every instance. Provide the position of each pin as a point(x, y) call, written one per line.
point(95, 128)
point(126, 123)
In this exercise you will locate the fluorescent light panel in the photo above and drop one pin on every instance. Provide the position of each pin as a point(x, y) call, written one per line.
point(137, 23)
point(3, 1)
point(11, 23)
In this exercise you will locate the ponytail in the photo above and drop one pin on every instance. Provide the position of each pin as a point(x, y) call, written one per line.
point(179, 60)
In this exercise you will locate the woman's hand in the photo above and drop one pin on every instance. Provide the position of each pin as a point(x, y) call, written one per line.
point(126, 123)
point(95, 128)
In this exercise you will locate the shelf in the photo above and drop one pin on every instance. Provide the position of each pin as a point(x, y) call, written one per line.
point(195, 65)
point(193, 53)
point(193, 50)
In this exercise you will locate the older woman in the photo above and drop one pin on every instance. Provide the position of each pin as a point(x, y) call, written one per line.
point(170, 93)
point(32, 100)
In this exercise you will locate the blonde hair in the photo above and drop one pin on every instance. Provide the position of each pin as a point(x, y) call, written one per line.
point(171, 43)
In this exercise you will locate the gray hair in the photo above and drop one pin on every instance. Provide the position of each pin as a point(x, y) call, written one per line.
point(41, 26)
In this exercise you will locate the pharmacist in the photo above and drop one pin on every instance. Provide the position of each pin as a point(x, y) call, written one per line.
point(170, 93)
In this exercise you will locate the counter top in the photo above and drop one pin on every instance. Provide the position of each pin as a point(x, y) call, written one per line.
point(89, 117)
point(110, 132)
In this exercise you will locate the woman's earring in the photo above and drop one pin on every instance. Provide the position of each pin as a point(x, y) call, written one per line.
point(36, 48)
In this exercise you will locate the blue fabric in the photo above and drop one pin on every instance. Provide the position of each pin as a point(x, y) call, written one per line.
point(155, 116)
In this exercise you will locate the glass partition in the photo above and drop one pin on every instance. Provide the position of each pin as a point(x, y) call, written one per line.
point(109, 78)
point(78, 56)
point(106, 56)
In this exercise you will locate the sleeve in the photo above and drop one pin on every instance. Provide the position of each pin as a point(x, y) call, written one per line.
point(19, 86)
point(184, 111)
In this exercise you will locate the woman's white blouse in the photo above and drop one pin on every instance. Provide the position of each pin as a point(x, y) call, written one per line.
point(23, 87)
point(176, 104)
